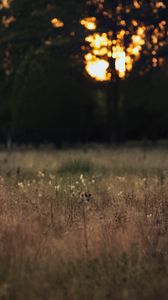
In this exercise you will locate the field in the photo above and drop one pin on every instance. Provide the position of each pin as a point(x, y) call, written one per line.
point(84, 224)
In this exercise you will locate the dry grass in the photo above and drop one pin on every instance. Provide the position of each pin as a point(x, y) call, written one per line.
point(88, 224)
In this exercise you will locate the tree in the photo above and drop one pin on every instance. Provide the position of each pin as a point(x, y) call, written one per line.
point(6, 69)
point(30, 29)
point(128, 35)
point(41, 41)
point(44, 41)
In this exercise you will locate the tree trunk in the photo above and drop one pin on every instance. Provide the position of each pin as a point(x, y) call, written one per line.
point(9, 143)
point(113, 97)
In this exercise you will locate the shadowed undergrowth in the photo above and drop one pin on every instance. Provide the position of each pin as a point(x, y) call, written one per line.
point(76, 166)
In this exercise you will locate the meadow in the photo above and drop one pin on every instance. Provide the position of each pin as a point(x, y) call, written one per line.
point(81, 224)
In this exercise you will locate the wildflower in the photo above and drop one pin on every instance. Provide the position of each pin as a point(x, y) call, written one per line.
point(1, 179)
point(109, 188)
point(149, 216)
point(82, 179)
point(72, 187)
point(57, 188)
point(40, 174)
point(121, 178)
point(20, 185)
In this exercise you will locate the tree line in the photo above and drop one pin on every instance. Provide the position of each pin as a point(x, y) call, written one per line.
point(45, 93)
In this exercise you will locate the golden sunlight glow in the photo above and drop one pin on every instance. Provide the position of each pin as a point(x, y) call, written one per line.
point(7, 21)
point(89, 23)
point(103, 47)
point(97, 68)
point(160, 4)
point(120, 60)
point(5, 4)
point(113, 54)
point(57, 23)
point(136, 4)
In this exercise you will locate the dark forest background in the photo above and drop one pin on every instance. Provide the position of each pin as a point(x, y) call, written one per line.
point(45, 96)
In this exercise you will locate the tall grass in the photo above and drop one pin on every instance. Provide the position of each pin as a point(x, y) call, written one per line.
point(78, 233)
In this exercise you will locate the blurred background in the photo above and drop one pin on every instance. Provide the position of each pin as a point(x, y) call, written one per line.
point(46, 95)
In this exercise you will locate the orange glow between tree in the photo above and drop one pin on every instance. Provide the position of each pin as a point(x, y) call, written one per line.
point(6, 20)
point(57, 23)
point(103, 47)
point(5, 4)
point(108, 53)
point(89, 23)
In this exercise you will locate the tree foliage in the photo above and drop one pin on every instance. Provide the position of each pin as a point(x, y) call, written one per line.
point(44, 95)
point(136, 30)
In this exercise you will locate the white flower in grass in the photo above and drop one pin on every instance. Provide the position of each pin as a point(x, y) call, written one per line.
point(40, 174)
point(57, 188)
point(1, 179)
point(149, 216)
point(20, 185)
point(82, 179)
